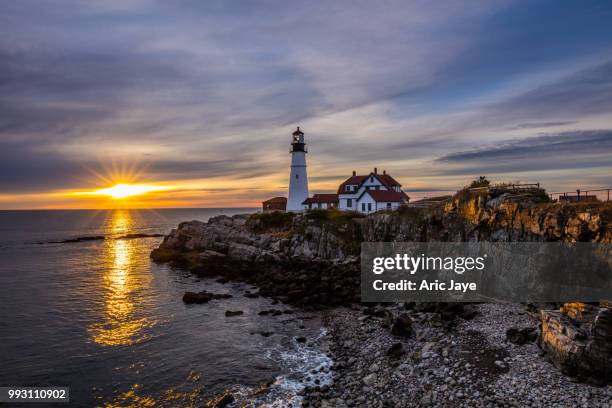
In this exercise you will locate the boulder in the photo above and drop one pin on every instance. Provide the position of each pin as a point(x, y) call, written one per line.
point(522, 336)
point(222, 401)
point(583, 312)
point(230, 313)
point(395, 351)
point(203, 297)
point(402, 326)
point(581, 349)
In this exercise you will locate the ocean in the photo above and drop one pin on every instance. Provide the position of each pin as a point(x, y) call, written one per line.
point(100, 317)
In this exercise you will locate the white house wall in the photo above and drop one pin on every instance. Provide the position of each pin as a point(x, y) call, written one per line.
point(366, 199)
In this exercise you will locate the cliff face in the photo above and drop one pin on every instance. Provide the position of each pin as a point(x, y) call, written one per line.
point(313, 258)
point(480, 217)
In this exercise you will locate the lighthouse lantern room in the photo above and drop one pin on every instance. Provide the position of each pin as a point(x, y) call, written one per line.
point(298, 179)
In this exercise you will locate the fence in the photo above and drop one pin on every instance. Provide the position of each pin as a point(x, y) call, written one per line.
point(518, 187)
point(601, 194)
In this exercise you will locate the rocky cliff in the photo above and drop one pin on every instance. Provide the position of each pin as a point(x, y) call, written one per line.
point(313, 258)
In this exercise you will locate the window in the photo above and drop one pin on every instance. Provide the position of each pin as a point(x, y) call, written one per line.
point(363, 207)
point(319, 205)
point(297, 176)
point(388, 206)
point(369, 206)
point(349, 202)
point(372, 179)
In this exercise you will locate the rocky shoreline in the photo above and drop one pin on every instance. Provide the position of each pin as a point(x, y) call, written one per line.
point(418, 354)
point(471, 364)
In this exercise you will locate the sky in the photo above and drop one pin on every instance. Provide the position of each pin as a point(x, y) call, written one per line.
point(199, 99)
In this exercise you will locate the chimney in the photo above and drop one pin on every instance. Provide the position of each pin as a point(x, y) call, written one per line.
point(384, 171)
point(354, 173)
point(375, 170)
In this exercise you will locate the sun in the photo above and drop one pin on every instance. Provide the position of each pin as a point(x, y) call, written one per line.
point(124, 190)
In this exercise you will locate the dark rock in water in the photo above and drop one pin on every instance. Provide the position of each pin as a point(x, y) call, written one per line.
point(264, 313)
point(203, 297)
point(79, 239)
point(222, 280)
point(395, 351)
point(265, 333)
point(522, 336)
point(229, 313)
point(580, 348)
point(301, 339)
point(251, 295)
point(133, 236)
point(402, 326)
point(222, 401)
point(276, 312)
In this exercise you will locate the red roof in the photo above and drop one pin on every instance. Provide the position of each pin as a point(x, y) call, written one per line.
point(386, 196)
point(276, 200)
point(322, 198)
point(385, 179)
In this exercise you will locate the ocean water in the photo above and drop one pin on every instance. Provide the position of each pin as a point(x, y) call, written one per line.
point(100, 317)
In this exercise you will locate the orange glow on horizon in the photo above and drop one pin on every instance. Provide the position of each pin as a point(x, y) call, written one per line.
point(125, 190)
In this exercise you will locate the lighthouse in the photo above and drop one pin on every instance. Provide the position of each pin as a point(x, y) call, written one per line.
point(298, 179)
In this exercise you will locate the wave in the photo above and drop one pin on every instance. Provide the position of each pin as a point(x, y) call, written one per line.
point(305, 366)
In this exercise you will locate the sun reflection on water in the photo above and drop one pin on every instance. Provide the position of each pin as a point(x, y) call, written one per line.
point(122, 282)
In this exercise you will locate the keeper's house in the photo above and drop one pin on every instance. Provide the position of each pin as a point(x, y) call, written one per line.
point(363, 193)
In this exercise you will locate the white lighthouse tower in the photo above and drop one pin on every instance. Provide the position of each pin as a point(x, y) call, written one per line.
point(298, 180)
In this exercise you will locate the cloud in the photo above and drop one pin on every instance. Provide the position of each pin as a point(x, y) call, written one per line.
point(194, 90)
point(563, 151)
point(540, 125)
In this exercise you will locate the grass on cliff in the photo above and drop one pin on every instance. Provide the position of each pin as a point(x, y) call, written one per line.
point(268, 222)
point(333, 215)
point(413, 213)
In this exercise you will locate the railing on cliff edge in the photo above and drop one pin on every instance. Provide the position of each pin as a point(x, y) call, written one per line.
point(578, 195)
point(601, 194)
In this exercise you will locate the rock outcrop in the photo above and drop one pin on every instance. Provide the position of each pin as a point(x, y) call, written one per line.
point(483, 217)
point(579, 344)
point(303, 260)
point(313, 258)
